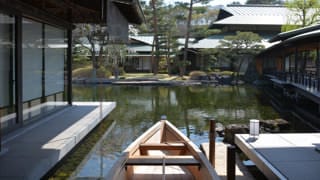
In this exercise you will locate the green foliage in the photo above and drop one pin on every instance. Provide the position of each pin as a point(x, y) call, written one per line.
point(238, 47)
point(303, 13)
point(80, 57)
point(86, 72)
point(242, 42)
point(202, 31)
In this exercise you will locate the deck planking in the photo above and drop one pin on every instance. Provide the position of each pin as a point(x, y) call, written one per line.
point(284, 156)
point(242, 173)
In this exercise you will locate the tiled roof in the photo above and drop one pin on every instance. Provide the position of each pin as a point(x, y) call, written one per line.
point(254, 15)
point(147, 41)
point(140, 48)
point(143, 39)
point(253, 20)
point(214, 41)
point(256, 10)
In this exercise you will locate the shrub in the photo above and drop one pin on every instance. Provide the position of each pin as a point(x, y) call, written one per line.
point(110, 68)
point(195, 75)
point(86, 72)
point(102, 72)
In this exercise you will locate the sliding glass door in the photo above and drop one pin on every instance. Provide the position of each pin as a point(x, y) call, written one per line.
point(7, 81)
point(43, 64)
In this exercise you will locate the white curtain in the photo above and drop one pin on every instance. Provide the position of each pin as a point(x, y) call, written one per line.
point(54, 60)
point(32, 60)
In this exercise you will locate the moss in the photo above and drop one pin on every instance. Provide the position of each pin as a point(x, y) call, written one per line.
point(69, 164)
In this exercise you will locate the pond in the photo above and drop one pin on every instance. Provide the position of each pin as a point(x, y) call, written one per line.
point(139, 107)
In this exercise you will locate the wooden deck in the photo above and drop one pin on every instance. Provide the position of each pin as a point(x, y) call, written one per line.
point(284, 156)
point(242, 173)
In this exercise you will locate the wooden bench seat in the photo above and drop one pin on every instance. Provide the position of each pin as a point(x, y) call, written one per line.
point(144, 148)
point(163, 160)
point(162, 146)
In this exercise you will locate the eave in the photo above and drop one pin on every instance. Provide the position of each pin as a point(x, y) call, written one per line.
point(131, 10)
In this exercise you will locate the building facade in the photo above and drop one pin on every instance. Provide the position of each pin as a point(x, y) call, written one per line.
point(292, 67)
point(264, 20)
point(36, 52)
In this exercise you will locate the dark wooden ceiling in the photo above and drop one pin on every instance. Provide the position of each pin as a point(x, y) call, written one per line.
point(74, 11)
point(68, 12)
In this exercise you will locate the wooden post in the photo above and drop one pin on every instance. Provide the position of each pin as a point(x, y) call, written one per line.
point(69, 67)
point(0, 130)
point(18, 71)
point(231, 162)
point(212, 142)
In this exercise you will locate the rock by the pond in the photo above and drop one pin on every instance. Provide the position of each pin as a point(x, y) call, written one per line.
point(232, 129)
point(220, 129)
point(274, 125)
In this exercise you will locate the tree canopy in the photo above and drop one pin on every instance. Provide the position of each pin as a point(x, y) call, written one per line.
point(237, 48)
point(304, 13)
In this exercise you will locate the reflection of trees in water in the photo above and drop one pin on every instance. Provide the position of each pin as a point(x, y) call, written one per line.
point(136, 104)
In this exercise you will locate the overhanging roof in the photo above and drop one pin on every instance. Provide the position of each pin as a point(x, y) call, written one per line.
point(66, 12)
point(309, 36)
point(290, 34)
point(300, 36)
point(131, 9)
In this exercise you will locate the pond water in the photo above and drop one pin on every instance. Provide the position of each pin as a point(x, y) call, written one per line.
point(139, 107)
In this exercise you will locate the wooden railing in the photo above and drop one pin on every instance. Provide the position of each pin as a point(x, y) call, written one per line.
point(307, 79)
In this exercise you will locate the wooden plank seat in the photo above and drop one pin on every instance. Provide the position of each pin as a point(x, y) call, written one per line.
point(162, 160)
point(162, 146)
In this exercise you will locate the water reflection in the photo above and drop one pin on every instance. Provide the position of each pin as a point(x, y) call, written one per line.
point(139, 107)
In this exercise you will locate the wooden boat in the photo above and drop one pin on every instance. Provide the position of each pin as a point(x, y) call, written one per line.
point(162, 152)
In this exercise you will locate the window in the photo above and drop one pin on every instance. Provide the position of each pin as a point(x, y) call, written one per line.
point(7, 85)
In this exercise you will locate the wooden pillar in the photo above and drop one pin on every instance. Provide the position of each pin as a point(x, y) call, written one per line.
point(296, 66)
point(69, 67)
point(18, 70)
point(318, 69)
point(231, 162)
point(212, 142)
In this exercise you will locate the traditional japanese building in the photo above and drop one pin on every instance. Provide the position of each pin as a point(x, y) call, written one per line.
point(292, 66)
point(264, 20)
point(36, 60)
point(139, 58)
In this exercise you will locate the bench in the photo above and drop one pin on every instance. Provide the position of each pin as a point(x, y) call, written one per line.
point(161, 146)
point(162, 160)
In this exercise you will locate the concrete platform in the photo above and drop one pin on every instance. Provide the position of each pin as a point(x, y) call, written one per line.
point(284, 156)
point(32, 151)
point(242, 172)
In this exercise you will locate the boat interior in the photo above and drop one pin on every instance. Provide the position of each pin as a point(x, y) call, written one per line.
point(163, 152)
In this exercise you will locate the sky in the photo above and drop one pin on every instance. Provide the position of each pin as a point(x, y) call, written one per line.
point(213, 3)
